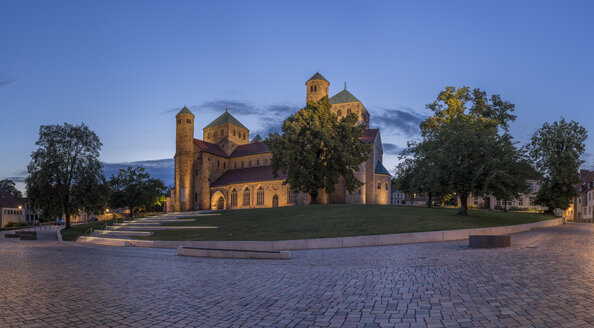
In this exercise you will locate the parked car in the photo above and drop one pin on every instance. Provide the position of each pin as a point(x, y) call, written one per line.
point(93, 220)
point(59, 221)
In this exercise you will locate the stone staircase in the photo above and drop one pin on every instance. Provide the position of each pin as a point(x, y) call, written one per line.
point(119, 234)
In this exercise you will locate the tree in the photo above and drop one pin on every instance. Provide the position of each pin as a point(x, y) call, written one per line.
point(10, 187)
point(511, 172)
point(65, 174)
point(462, 140)
point(133, 187)
point(316, 149)
point(556, 150)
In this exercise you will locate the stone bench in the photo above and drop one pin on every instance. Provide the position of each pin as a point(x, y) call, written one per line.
point(489, 241)
point(232, 253)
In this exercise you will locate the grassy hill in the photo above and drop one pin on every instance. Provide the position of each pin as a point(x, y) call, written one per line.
point(320, 221)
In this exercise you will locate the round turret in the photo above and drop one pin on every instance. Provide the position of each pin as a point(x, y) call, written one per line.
point(317, 88)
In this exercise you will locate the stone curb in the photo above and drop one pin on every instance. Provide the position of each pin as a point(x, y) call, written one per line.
point(340, 242)
point(232, 253)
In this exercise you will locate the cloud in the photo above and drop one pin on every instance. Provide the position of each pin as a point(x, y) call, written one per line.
point(15, 179)
point(5, 83)
point(392, 149)
point(239, 107)
point(403, 120)
point(160, 169)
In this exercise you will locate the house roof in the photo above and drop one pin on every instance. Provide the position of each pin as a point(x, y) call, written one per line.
point(209, 148)
point(185, 110)
point(257, 138)
point(318, 76)
point(225, 118)
point(380, 169)
point(252, 174)
point(250, 149)
point(369, 135)
point(8, 200)
point(343, 97)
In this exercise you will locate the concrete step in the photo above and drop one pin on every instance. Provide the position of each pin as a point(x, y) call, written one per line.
point(122, 233)
point(136, 223)
point(145, 228)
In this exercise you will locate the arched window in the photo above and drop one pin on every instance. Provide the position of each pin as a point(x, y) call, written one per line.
point(311, 88)
point(242, 164)
point(235, 165)
point(379, 185)
point(339, 113)
point(257, 162)
point(234, 133)
point(233, 197)
point(386, 186)
point(218, 163)
point(260, 196)
point(246, 197)
point(348, 111)
point(225, 166)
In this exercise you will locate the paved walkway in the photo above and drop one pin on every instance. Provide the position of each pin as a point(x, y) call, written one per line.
point(545, 280)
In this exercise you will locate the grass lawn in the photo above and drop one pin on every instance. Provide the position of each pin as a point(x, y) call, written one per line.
point(320, 221)
point(78, 230)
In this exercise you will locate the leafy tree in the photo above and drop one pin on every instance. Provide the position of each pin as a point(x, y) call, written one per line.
point(65, 174)
point(10, 187)
point(511, 171)
point(462, 141)
point(133, 187)
point(556, 149)
point(316, 149)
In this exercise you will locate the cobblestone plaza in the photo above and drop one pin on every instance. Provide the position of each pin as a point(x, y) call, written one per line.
point(546, 279)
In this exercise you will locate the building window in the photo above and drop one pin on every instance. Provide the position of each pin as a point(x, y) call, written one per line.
point(218, 163)
point(235, 165)
point(498, 202)
point(179, 121)
point(521, 201)
point(242, 164)
point(246, 197)
point(311, 88)
point(260, 196)
point(386, 186)
point(195, 197)
point(196, 172)
point(189, 120)
point(224, 165)
point(348, 111)
point(258, 163)
point(233, 197)
point(379, 185)
point(339, 113)
point(215, 134)
point(290, 196)
point(234, 133)
point(250, 163)
point(315, 88)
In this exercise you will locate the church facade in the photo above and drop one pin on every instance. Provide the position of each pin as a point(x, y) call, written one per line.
point(224, 170)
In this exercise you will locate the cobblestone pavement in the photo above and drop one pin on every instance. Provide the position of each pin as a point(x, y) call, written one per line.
point(546, 279)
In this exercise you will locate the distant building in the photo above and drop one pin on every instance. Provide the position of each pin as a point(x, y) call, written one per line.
point(224, 170)
point(524, 202)
point(11, 209)
point(399, 197)
point(583, 205)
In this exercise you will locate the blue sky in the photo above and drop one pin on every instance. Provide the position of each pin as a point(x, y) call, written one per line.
point(125, 67)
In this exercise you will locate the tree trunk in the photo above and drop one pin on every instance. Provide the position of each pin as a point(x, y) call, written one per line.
point(463, 204)
point(314, 197)
point(505, 206)
point(429, 195)
point(67, 217)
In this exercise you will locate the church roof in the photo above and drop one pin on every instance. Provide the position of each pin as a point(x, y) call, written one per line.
point(209, 148)
point(252, 174)
point(185, 110)
point(318, 76)
point(8, 200)
point(257, 138)
point(250, 149)
point(225, 118)
point(369, 135)
point(380, 169)
point(343, 97)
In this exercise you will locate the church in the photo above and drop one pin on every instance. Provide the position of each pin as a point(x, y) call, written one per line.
point(225, 170)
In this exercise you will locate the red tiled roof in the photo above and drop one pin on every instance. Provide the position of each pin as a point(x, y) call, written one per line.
point(252, 174)
point(250, 149)
point(369, 135)
point(8, 200)
point(209, 148)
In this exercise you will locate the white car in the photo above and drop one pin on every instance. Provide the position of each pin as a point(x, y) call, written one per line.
point(59, 221)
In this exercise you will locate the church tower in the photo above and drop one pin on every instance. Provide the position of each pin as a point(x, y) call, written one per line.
point(317, 88)
point(184, 159)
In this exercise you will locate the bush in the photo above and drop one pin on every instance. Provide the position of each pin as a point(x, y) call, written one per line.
point(15, 224)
